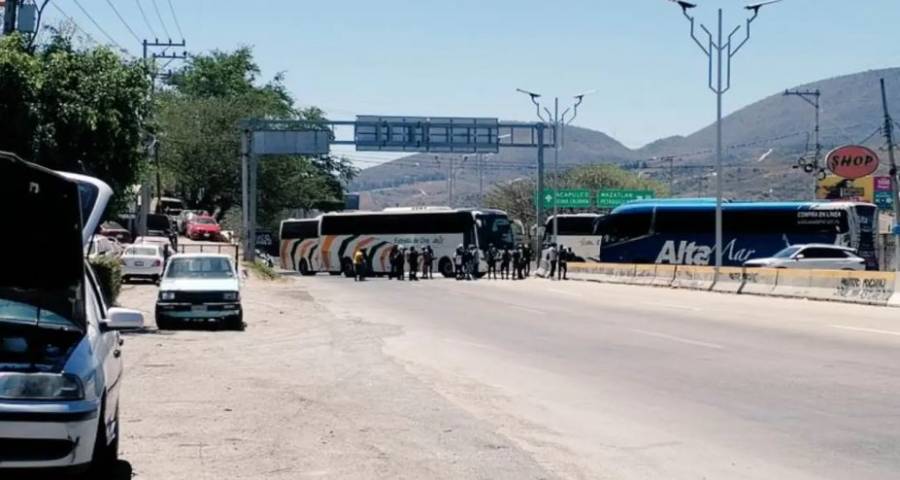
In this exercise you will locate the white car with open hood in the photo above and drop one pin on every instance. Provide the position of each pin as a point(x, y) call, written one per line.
point(200, 288)
point(60, 349)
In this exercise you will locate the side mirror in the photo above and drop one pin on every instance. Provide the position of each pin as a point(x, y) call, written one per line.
point(800, 256)
point(124, 319)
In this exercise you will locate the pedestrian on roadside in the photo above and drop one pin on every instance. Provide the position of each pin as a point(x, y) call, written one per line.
point(563, 263)
point(459, 262)
point(527, 257)
point(476, 261)
point(413, 258)
point(517, 264)
point(505, 258)
point(467, 263)
point(552, 257)
point(392, 259)
point(491, 258)
point(401, 261)
point(359, 265)
point(427, 262)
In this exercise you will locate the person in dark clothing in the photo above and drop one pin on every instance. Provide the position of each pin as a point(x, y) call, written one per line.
point(413, 258)
point(427, 262)
point(552, 259)
point(476, 262)
point(392, 258)
point(459, 262)
point(564, 256)
point(360, 266)
point(505, 258)
point(490, 258)
point(517, 264)
point(527, 257)
point(467, 263)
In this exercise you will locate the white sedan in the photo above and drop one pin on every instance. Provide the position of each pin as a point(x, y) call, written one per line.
point(60, 350)
point(812, 256)
point(200, 287)
point(143, 262)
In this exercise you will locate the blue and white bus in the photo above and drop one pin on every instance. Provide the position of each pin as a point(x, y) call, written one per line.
point(683, 232)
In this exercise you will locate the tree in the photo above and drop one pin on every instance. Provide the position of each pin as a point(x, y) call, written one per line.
point(517, 197)
point(198, 124)
point(74, 109)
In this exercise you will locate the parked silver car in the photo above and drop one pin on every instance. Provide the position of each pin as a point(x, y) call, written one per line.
point(812, 256)
point(60, 349)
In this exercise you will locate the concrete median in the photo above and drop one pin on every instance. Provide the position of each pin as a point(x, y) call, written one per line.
point(694, 278)
point(644, 275)
point(665, 275)
point(759, 281)
point(871, 288)
point(602, 272)
point(731, 280)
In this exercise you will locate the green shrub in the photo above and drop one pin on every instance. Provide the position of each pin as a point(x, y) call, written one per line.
point(109, 275)
point(262, 270)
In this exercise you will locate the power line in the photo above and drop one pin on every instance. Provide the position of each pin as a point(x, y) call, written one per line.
point(146, 20)
point(122, 19)
point(161, 22)
point(104, 32)
point(77, 26)
point(175, 18)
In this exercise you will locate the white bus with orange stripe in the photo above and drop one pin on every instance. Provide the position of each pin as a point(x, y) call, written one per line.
point(444, 229)
point(299, 244)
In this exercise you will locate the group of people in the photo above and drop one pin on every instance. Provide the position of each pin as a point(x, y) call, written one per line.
point(399, 256)
point(515, 264)
point(558, 258)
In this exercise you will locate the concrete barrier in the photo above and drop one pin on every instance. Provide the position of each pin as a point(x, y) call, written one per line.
point(643, 275)
point(602, 272)
point(731, 280)
point(871, 288)
point(795, 284)
point(759, 281)
point(694, 278)
point(664, 275)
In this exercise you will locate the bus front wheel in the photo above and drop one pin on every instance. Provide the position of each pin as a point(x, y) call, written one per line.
point(304, 269)
point(347, 268)
point(446, 268)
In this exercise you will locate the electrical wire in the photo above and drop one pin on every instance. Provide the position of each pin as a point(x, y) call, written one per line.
point(104, 32)
point(175, 18)
point(79, 27)
point(146, 20)
point(122, 19)
point(161, 22)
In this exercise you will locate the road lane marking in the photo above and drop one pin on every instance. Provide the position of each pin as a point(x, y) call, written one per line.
point(679, 339)
point(866, 330)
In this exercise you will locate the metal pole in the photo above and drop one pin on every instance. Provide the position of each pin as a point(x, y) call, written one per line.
point(539, 201)
point(480, 180)
point(889, 136)
point(9, 16)
point(245, 194)
point(818, 147)
point(556, 131)
point(719, 92)
point(450, 184)
point(159, 191)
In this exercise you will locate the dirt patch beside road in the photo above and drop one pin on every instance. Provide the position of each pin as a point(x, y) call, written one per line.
point(300, 394)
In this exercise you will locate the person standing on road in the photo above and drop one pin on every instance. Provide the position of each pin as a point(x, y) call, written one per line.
point(476, 261)
point(517, 264)
point(527, 257)
point(563, 263)
point(491, 259)
point(359, 265)
point(459, 262)
point(505, 258)
point(467, 263)
point(427, 262)
point(552, 257)
point(413, 258)
point(392, 258)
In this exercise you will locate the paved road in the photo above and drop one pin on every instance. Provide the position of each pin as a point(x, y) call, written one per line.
point(603, 381)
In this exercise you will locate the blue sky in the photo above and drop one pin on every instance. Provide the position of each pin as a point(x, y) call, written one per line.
point(467, 57)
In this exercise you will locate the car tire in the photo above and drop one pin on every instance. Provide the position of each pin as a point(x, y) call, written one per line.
point(163, 323)
point(237, 323)
point(445, 266)
point(106, 453)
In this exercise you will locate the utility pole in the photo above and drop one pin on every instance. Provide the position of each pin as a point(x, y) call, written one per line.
point(559, 122)
point(889, 136)
point(450, 183)
point(9, 16)
point(480, 180)
point(671, 161)
point(812, 97)
point(719, 54)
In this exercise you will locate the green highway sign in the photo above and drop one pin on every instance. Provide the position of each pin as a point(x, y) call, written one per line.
point(614, 198)
point(567, 198)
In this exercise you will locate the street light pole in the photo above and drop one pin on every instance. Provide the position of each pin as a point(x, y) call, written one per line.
point(813, 168)
point(720, 52)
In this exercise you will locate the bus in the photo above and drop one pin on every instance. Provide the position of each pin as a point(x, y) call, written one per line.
point(575, 231)
point(444, 229)
point(298, 245)
point(683, 232)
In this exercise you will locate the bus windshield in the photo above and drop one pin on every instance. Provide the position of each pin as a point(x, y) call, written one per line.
point(495, 230)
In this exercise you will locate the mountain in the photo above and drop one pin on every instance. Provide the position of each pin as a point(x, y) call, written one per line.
point(776, 129)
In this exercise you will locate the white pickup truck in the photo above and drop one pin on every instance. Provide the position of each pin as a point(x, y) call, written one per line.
point(200, 287)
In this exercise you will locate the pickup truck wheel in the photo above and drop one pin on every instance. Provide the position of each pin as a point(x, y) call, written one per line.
point(163, 323)
point(237, 323)
point(106, 452)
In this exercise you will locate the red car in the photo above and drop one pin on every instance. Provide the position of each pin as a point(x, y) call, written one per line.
point(204, 228)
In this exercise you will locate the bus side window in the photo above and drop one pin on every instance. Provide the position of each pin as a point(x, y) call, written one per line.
point(625, 227)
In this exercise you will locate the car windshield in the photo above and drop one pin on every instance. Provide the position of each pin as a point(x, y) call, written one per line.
point(200, 267)
point(495, 230)
point(142, 251)
point(205, 221)
point(22, 313)
point(787, 252)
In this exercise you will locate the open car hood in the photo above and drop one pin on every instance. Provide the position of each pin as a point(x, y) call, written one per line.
point(53, 216)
